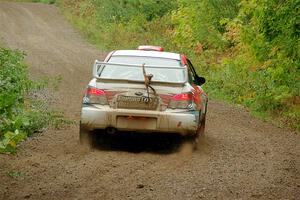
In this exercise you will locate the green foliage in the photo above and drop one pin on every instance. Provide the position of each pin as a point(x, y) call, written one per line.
point(248, 50)
point(265, 71)
point(21, 114)
point(126, 10)
point(122, 23)
point(198, 23)
point(15, 174)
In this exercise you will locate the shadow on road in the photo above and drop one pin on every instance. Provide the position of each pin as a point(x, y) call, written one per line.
point(161, 143)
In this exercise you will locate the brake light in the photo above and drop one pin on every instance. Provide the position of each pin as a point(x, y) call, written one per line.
point(150, 48)
point(95, 96)
point(95, 91)
point(182, 101)
point(182, 97)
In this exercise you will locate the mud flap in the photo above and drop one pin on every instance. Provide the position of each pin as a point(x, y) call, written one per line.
point(200, 133)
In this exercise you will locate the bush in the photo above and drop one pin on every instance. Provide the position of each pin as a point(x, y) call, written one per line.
point(21, 114)
point(267, 63)
point(122, 23)
point(197, 24)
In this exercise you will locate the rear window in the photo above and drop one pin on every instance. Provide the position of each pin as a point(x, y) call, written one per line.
point(170, 75)
point(139, 60)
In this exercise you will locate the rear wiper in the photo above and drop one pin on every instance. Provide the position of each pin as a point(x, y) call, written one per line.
point(147, 78)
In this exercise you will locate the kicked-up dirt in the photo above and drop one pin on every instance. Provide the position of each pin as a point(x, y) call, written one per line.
point(239, 158)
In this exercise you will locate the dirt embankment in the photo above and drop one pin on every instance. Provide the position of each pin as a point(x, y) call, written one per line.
point(240, 157)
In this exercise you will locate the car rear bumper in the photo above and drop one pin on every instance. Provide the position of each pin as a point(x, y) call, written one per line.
point(173, 121)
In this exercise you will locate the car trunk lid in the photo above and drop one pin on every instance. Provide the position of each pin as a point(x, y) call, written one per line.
point(135, 95)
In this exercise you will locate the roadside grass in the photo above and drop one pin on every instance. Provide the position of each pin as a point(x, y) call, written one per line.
point(22, 112)
point(16, 174)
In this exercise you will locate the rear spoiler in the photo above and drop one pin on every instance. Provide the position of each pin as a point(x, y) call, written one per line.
point(98, 64)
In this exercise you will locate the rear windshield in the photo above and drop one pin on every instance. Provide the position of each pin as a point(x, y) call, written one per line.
point(146, 60)
point(173, 75)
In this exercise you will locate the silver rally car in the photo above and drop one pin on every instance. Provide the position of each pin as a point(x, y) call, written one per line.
point(144, 90)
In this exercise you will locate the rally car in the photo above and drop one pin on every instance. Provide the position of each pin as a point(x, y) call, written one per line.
point(143, 90)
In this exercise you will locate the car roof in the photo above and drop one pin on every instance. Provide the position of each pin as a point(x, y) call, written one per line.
point(156, 54)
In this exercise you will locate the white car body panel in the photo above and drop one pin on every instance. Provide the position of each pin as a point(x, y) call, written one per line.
point(101, 117)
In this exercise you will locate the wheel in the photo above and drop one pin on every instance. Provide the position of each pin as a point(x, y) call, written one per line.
point(202, 120)
point(85, 136)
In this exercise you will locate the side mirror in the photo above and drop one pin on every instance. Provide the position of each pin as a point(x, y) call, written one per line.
point(199, 80)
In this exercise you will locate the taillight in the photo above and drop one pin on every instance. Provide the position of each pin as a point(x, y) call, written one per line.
point(94, 92)
point(182, 97)
point(95, 96)
point(182, 101)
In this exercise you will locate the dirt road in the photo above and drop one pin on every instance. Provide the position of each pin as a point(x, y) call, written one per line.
point(240, 157)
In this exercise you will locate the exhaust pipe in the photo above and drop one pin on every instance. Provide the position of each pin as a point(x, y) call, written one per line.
point(111, 130)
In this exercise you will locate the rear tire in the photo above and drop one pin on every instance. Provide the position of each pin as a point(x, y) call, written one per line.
point(85, 136)
point(201, 128)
